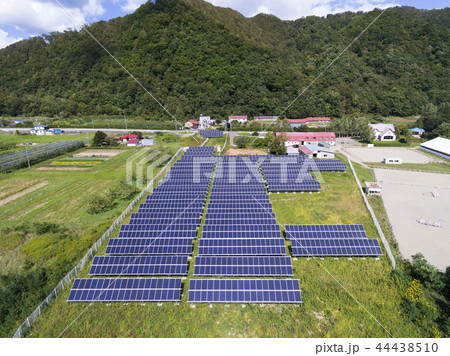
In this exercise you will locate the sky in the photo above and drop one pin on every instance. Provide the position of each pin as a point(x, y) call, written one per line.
point(22, 19)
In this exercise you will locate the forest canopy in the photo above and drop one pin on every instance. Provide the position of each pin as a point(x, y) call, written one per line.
point(197, 58)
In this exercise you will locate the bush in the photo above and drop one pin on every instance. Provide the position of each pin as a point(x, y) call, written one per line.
point(99, 139)
point(100, 204)
point(255, 133)
point(241, 141)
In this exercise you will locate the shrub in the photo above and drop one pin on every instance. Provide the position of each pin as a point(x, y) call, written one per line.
point(241, 141)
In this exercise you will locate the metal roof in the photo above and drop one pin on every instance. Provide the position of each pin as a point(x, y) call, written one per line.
point(439, 144)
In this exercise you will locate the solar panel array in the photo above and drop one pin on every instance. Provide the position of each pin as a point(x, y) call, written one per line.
point(331, 240)
point(241, 238)
point(158, 239)
point(285, 174)
point(211, 133)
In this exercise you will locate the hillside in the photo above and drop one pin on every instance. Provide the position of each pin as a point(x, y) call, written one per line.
point(197, 58)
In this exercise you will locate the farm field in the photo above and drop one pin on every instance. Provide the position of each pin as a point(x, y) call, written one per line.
point(48, 220)
point(328, 309)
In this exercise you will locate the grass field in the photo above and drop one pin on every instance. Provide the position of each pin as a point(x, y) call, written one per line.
point(428, 167)
point(45, 231)
point(338, 294)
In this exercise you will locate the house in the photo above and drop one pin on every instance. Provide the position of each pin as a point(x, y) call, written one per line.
point(384, 132)
point(265, 118)
point(318, 120)
point(148, 142)
point(372, 188)
point(297, 122)
point(127, 138)
point(240, 119)
point(319, 152)
point(41, 130)
point(439, 146)
point(205, 121)
point(417, 132)
point(191, 124)
point(297, 139)
point(302, 122)
point(133, 142)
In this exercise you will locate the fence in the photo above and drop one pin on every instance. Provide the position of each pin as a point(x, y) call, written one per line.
point(374, 218)
point(409, 169)
point(27, 324)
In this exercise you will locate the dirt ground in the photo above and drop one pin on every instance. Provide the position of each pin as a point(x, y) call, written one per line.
point(377, 154)
point(238, 152)
point(22, 193)
point(99, 153)
point(408, 197)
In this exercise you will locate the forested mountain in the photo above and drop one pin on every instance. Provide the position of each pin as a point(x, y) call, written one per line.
point(197, 58)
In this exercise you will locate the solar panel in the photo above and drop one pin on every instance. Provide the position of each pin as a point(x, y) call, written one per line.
point(142, 246)
point(125, 290)
point(243, 266)
point(244, 291)
point(225, 227)
point(241, 234)
point(158, 234)
point(211, 133)
point(239, 221)
point(139, 265)
point(241, 247)
point(336, 247)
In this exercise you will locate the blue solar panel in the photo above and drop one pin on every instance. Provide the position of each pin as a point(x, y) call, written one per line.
point(243, 266)
point(244, 291)
point(158, 234)
point(142, 246)
point(139, 265)
point(125, 290)
point(241, 234)
point(268, 227)
point(336, 247)
point(242, 247)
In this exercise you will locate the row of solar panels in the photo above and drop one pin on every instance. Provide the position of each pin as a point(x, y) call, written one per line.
point(169, 289)
point(211, 133)
point(178, 266)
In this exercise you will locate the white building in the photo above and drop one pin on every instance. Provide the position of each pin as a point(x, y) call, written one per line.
point(41, 130)
point(205, 121)
point(384, 132)
point(372, 188)
point(148, 142)
point(439, 146)
point(240, 119)
point(319, 152)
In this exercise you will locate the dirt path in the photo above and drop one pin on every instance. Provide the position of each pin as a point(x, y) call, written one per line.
point(22, 193)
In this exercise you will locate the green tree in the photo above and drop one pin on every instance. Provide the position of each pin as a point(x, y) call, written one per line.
point(99, 139)
point(277, 146)
point(365, 131)
point(240, 141)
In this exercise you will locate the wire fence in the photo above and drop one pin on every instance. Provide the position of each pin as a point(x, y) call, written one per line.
point(374, 218)
point(34, 316)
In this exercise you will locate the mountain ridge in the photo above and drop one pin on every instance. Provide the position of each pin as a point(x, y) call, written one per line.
point(198, 58)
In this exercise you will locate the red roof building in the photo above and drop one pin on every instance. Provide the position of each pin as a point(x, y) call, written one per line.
point(301, 138)
point(191, 124)
point(317, 119)
point(129, 137)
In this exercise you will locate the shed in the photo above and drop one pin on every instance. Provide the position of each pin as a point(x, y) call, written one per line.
point(372, 188)
point(134, 142)
point(320, 152)
point(292, 151)
point(392, 160)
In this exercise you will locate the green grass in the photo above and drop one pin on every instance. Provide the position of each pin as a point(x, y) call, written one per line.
point(428, 167)
point(17, 139)
point(328, 310)
point(64, 201)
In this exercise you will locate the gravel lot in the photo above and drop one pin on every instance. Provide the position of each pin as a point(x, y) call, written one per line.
point(408, 197)
point(377, 154)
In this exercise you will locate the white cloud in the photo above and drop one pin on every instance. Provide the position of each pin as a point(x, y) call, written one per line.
point(5, 40)
point(42, 16)
point(294, 9)
point(132, 5)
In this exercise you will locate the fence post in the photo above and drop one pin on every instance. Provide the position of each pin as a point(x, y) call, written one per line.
point(374, 218)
